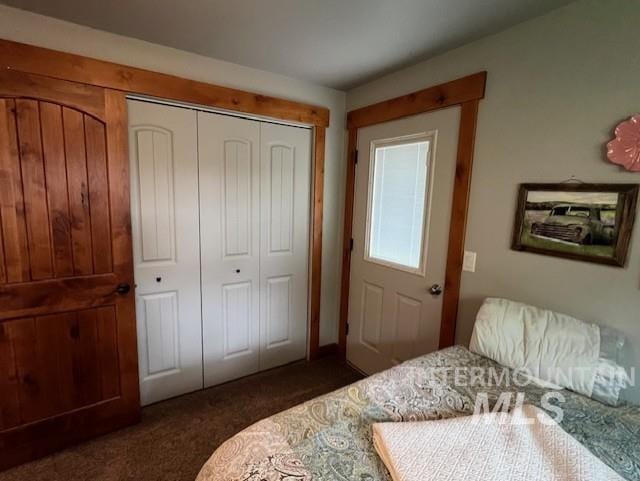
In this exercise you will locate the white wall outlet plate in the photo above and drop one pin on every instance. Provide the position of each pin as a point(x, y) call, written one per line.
point(469, 261)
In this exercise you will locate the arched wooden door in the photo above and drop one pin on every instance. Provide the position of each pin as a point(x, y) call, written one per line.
point(68, 361)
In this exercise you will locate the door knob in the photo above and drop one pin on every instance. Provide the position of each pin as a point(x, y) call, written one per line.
point(123, 288)
point(435, 290)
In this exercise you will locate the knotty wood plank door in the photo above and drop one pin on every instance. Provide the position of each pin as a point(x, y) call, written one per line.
point(68, 360)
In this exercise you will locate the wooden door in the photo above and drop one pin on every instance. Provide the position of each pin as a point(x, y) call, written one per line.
point(68, 360)
point(403, 190)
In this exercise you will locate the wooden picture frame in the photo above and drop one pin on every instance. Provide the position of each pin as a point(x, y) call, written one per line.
point(585, 222)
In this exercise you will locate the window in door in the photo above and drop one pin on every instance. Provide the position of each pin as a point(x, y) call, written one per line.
point(397, 212)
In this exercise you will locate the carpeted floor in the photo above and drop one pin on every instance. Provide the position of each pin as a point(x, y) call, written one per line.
point(176, 437)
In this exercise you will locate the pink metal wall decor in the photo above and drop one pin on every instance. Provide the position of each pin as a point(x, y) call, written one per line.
point(624, 150)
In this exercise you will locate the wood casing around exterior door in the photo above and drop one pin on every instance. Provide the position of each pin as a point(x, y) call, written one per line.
point(68, 360)
point(465, 92)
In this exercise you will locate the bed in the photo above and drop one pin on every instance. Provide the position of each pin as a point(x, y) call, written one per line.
point(329, 438)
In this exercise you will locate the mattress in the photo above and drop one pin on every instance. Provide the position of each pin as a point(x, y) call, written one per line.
point(330, 437)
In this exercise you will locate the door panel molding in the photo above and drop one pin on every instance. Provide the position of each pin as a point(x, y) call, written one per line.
point(466, 92)
point(156, 184)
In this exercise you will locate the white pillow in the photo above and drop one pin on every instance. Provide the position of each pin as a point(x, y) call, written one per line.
point(554, 348)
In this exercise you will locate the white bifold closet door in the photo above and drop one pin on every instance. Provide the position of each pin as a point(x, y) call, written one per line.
point(220, 211)
point(229, 150)
point(254, 236)
point(166, 246)
point(285, 212)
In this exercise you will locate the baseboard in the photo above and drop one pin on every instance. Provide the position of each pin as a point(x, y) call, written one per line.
point(327, 350)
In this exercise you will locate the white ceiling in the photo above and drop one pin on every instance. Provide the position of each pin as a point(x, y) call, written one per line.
point(337, 43)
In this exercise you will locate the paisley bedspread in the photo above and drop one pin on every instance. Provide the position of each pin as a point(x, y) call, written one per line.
point(329, 438)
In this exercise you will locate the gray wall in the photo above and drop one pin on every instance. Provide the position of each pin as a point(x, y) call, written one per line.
point(557, 86)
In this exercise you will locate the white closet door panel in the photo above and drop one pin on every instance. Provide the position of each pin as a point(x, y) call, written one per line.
point(236, 319)
point(159, 315)
point(237, 185)
point(164, 215)
point(230, 242)
point(285, 187)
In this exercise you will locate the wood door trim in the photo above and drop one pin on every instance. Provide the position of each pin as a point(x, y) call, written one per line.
point(315, 290)
point(352, 147)
point(77, 96)
point(467, 93)
point(122, 79)
point(440, 96)
point(67, 66)
point(458, 224)
point(120, 209)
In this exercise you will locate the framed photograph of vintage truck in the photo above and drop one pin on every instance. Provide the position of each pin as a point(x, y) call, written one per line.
point(586, 222)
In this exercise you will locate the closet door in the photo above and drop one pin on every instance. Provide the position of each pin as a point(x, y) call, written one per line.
point(230, 242)
point(285, 184)
point(164, 201)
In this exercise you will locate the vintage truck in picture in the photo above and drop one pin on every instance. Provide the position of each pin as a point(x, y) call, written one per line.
point(577, 223)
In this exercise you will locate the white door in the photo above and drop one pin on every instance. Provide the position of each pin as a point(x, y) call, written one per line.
point(229, 152)
point(285, 189)
point(164, 218)
point(403, 192)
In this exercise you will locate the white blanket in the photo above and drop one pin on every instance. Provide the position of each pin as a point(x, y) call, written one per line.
point(524, 445)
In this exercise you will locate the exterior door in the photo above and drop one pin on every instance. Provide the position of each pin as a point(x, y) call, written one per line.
point(403, 193)
point(166, 248)
point(229, 151)
point(285, 180)
point(68, 360)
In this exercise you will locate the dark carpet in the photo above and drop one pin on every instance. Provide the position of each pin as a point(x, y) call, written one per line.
point(176, 437)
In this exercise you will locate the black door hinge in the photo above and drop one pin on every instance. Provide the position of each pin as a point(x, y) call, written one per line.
point(355, 156)
point(351, 244)
point(347, 328)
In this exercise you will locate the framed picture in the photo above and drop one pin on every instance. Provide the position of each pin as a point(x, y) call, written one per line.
point(587, 222)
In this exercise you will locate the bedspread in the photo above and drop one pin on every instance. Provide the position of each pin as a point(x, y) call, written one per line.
point(329, 437)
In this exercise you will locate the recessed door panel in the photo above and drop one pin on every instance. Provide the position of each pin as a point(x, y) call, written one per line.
point(164, 212)
point(278, 311)
point(371, 321)
point(154, 152)
point(281, 208)
point(237, 185)
point(236, 312)
point(158, 313)
point(55, 158)
point(57, 363)
point(408, 315)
